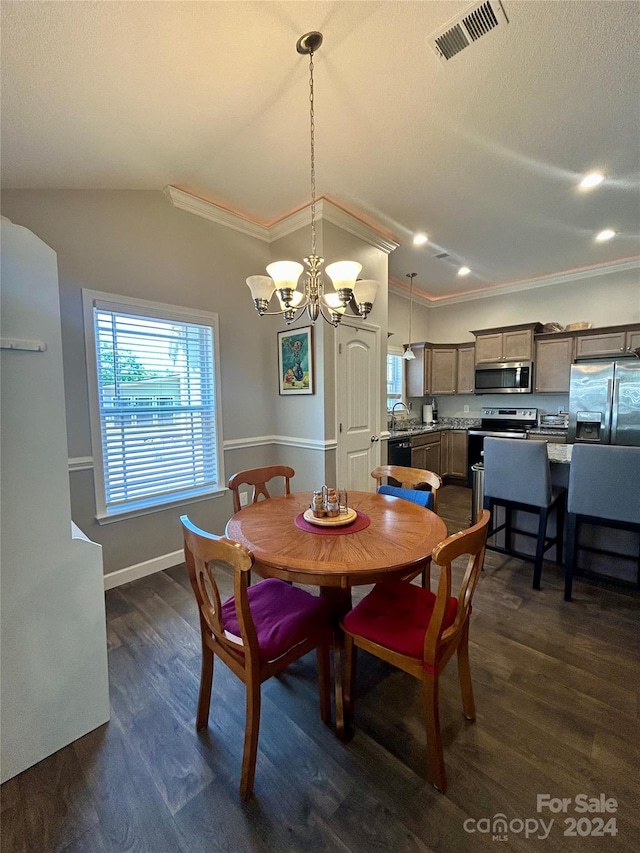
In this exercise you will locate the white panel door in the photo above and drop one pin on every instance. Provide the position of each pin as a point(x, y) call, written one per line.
point(357, 406)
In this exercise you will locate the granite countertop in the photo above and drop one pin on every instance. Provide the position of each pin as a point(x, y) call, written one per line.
point(444, 423)
point(559, 452)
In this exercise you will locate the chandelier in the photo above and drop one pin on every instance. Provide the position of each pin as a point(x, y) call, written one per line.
point(284, 276)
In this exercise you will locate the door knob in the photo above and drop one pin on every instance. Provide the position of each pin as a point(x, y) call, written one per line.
point(374, 438)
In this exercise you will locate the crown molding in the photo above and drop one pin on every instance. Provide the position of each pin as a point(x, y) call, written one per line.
point(301, 218)
point(215, 213)
point(291, 223)
point(336, 215)
point(625, 265)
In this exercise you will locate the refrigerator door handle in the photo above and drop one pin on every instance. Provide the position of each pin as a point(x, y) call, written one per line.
point(614, 409)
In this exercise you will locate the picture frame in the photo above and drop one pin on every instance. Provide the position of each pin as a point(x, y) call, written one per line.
point(295, 361)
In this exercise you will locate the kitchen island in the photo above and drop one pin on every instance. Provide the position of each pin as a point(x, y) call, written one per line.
point(618, 549)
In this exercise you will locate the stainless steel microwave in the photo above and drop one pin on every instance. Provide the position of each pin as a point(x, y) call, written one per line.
point(505, 377)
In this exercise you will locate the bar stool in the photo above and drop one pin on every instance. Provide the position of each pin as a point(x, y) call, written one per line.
point(517, 477)
point(604, 490)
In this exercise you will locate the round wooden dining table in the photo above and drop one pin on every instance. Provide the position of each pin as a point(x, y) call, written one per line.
point(396, 543)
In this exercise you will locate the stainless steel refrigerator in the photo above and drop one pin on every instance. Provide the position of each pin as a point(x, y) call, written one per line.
point(604, 402)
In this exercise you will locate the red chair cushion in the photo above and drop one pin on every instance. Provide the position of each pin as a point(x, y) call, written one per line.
point(283, 616)
point(396, 615)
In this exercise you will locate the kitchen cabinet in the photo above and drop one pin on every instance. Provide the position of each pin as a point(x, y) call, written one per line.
point(425, 452)
point(553, 364)
point(466, 374)
point(418, 372)
point(454, 453)
point(611, 343)
point(511, 344)
point(440, 369)
point(444, 370)
point(633, 341)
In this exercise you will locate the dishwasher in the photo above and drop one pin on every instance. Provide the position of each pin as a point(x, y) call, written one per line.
point(399, 452)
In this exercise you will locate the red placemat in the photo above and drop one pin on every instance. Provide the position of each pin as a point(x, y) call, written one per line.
point(359, 523)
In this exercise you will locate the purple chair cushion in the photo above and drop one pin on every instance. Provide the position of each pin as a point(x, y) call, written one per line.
point(396, 615)
point(283, 616)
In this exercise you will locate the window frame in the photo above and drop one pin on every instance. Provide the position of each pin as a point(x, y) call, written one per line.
point(92, 299)
point(395, 351)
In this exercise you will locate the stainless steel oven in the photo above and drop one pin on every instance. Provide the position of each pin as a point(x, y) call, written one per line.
point(506, 377)
point(498, 423)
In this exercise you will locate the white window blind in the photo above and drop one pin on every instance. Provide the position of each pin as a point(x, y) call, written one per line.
point(157, 407)
point(394, 379)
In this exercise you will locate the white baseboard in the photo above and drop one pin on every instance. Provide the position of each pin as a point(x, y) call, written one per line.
point(141, 570)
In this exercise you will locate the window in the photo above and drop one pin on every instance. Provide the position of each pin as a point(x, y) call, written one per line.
point(153, 403)
point(394, 378)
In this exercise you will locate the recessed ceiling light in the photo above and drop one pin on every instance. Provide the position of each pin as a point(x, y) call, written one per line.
point(591, 180)
point(420, 239)
point(607, 234)
point(464, 271)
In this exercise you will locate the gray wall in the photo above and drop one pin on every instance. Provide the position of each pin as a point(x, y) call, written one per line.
point(136, 244)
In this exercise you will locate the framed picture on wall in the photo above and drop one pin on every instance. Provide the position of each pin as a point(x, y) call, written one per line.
point(295, 361)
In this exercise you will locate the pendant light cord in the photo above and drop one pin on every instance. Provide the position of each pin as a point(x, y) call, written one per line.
point(410, 276)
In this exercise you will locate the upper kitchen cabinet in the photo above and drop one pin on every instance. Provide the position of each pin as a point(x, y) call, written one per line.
point(619, 342)
point(418, 371)
point(514, 343)
point(444, 370)
point(440, 369)
point(466, 372)
point(554, 355)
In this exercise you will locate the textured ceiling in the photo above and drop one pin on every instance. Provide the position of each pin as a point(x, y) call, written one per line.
point(483, 153)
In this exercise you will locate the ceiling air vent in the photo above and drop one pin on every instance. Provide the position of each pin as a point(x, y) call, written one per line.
point(448, 259)
point(464, 29)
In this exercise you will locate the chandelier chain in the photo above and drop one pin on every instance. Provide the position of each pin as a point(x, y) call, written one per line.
point(313, 155)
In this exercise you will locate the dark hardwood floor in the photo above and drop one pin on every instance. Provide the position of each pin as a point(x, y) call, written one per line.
point(556, 687)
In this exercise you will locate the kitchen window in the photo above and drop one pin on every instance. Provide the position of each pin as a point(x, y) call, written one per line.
point(394, 377)
point(154, 404)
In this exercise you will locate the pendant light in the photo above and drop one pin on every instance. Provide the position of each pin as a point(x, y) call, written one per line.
point(284, 275)
point(409, 353)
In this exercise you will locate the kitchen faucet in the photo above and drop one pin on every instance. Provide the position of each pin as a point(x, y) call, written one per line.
point(393, 413)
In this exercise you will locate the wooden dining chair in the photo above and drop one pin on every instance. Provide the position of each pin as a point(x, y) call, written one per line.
point(411, 481)
point(410, 478)
point(257, 632)
point(258, 479)
point(418, 632)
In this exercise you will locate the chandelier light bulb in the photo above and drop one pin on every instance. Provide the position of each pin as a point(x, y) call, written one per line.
point(343, 274)
point(261, 286)
point(285, 274)
point(294, 301)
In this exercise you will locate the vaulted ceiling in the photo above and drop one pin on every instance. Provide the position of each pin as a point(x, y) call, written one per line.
point(482, 152)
